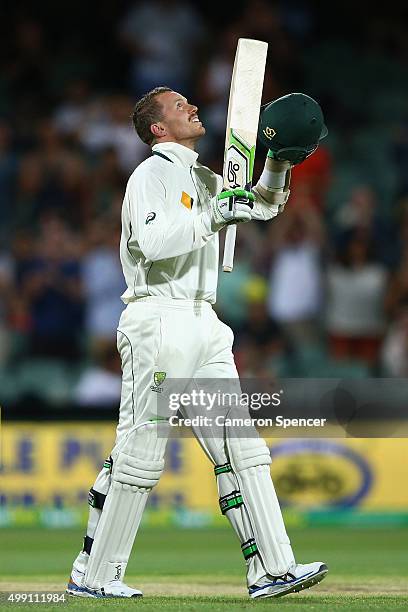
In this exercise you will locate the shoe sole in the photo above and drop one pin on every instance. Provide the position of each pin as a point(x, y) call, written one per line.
point(300, 586)
point(313, 580)
point(78, 592)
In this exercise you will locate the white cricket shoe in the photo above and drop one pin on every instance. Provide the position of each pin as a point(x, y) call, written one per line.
point(298, 578)
point(115, 588)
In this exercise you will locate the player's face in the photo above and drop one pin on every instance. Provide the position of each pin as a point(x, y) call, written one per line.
point(180, 119)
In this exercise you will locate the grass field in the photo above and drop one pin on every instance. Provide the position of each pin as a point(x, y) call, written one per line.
point(203, 570)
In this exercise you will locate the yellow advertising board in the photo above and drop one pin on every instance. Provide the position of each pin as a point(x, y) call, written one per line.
point(55, 464)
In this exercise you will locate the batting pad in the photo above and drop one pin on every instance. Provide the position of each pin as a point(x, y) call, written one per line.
point(231, 503)
point(250, 460)
point(138, 463)
point(248, 500)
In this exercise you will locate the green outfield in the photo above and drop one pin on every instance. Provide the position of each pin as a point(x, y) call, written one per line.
point(203, 569)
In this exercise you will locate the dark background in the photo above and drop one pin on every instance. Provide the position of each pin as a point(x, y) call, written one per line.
point(320, 292)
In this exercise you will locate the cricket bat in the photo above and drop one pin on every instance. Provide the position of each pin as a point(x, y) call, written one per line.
point(242, 125)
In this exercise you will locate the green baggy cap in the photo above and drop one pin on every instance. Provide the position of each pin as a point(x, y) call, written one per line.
point(292, 126)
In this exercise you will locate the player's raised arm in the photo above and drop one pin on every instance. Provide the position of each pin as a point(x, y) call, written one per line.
point(272, 190)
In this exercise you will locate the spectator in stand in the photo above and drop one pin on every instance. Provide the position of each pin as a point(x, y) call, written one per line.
point(107, 182)
point(311, 179)
point(397, 293)
point(71, 114)
point(232, 302)
point(8, 180)
point(108, 125)
point(358, 212)
point(100, 383)
point(52, 180)
point(102, 281)
point(356, 289)
point(50, 287)
point(21, 253)
point(261, 349)
point(394, 353)
point(399, 152)
point(163, 38)
point(213, 90)
point(361, 212)
point(28, 193)
point(28, 68)
point(6, 289)
point(263, 20)
point(295, 287)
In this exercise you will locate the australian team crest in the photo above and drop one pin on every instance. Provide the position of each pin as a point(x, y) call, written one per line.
point(159, 378)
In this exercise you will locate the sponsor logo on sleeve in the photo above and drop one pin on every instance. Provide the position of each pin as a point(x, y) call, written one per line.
point(150, 217)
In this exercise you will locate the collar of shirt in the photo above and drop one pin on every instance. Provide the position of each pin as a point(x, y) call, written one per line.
point(179, 154)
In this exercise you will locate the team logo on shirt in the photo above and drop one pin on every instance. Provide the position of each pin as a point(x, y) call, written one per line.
point(159, 378)
point(150, 217)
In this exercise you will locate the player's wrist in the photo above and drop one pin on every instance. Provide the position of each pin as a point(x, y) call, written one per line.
point(275, 174)
point(217, 218)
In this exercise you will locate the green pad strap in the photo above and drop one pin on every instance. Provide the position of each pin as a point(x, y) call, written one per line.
point(232, 500)
point(108, 463)
point(249, 548)
point(222, 469)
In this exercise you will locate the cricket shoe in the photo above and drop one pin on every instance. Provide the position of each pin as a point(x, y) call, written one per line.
point(298, 578)
point(115, 588)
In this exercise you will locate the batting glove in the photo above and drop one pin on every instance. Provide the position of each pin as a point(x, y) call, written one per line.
point(233, 206)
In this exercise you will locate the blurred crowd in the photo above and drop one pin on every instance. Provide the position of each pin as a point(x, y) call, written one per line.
point(322, 291)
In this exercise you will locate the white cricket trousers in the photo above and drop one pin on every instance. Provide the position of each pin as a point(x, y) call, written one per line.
point(182, 338)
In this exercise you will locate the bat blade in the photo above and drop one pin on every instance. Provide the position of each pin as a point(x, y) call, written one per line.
point(242, 125)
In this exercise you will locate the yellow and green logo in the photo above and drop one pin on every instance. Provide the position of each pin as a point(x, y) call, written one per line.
point(159, 378)
point(269, 132)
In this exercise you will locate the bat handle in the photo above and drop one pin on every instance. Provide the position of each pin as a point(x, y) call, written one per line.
point(229, 248)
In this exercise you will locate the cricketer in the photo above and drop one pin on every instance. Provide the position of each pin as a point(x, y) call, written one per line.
point(173, 209)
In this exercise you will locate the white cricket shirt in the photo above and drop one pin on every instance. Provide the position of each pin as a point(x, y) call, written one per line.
point(167, 247)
